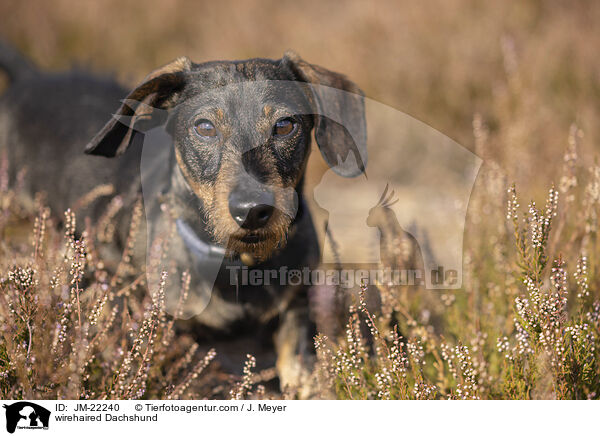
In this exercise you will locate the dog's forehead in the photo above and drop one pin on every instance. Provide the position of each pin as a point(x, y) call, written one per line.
point(252, 83)
point(221, 73)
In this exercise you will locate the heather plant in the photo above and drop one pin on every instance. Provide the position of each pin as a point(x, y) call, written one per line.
point(524, 326)
point(69, 328)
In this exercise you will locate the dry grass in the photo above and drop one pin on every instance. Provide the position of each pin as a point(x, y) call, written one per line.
point(71, 329)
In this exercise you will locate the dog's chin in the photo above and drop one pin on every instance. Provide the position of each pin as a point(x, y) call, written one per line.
point(261, 246)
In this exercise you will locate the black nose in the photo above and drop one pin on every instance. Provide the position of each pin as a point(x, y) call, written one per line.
point(251, 210)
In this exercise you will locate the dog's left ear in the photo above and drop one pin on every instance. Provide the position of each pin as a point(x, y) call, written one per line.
point(145, 107)
point(340, 123)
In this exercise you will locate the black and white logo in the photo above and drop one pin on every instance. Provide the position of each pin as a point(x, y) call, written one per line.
point(26, 415)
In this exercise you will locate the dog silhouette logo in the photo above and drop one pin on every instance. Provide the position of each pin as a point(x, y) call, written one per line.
point(26, 415)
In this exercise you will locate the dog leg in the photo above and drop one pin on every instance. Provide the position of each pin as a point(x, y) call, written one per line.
point(294, 352)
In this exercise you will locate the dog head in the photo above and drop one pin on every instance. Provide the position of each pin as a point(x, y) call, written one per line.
point(241, 133)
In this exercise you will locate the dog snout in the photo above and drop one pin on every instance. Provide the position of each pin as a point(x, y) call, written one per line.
point(252, 210)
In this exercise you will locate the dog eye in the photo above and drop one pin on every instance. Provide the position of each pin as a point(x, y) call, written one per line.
point(284, 127)
point(205, 129)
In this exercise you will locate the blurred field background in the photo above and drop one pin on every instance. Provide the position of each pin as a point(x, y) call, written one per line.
point(516, 82)
point(526, 70)
point(529, 68)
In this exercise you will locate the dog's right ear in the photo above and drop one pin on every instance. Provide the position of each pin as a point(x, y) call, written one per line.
point(145, 107)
